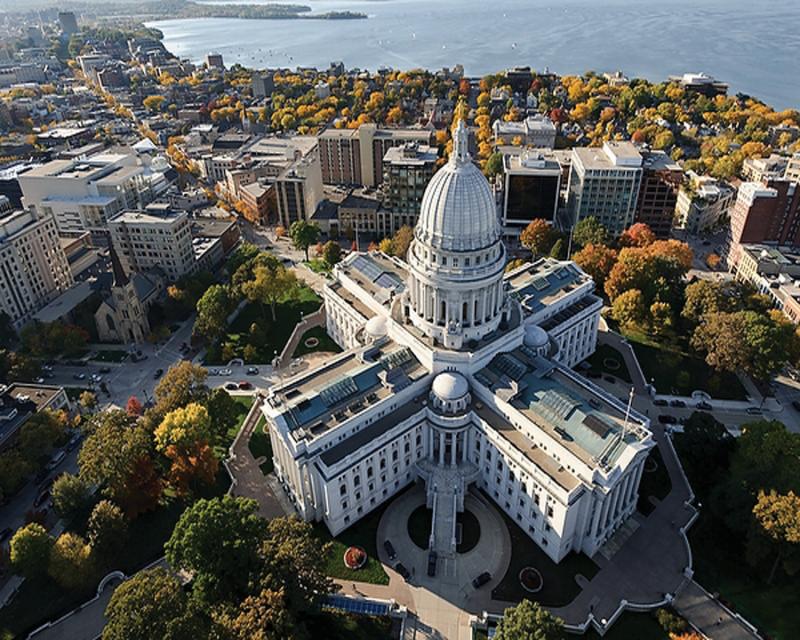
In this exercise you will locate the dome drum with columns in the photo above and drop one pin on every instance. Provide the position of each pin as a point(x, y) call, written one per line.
point(457, 258)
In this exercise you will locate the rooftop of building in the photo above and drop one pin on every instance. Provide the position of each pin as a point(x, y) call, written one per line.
point(162, 215)
point(211, 227)
point(411, 154)
point(656, 160)
point(531, 161)
point(316, 402)
point(65, 303)
point(769, 254)
point(40, 394)
point(613, 155)
point(583, 418)
point(544, 282)
point(379, 275)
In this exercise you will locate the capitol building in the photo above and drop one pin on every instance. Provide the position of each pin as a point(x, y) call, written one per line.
point(458, 376)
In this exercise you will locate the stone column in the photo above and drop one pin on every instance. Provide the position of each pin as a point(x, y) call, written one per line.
point(441, 448)
point(453, 449)
point(596, 519)
point(465, 443)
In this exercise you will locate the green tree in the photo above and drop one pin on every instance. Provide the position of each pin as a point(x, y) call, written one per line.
point(40, 433)
point(331, 253)
point(270, 285)
point(212, 312)
point(183, 383)
point(529, 621)
point(557, 251)
point(538, 237)
point(589, 231)
point(263, 616)
point(71, 561)
point(628, 308)
point(72, 499)
point(152, 604)
point(107, 529)
point(494, 165)
point(304, 234)
point(14, 471)
point(218, 540)
point(87, 400)
point(779, 518)
point(30, 550)
point(223, 412)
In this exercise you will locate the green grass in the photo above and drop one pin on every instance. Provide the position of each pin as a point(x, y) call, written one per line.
point(362, 534)
point(111, 355)
point(260, 445)
point(560, 587)
point(631, 626)
point(243, 404)
point(326, 343)
point(337, 625)
point(597, 362)
point(654, 483)
point(318, 265)
point(678, 373)
point(255, 327)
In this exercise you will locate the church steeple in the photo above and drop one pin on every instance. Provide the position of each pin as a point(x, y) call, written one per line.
point(120, 277)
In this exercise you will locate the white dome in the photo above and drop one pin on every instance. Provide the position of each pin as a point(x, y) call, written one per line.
point(450, 386)
point(458, 211)
point(376, 327)
point(535, 337)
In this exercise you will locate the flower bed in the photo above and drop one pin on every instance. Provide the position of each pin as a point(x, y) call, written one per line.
point(355, 558)
point(311, 343)
point(531, 580)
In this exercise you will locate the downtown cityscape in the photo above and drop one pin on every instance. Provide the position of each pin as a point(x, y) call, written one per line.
point(399, 351)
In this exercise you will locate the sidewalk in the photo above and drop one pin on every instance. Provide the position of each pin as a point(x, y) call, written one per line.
point(709, 616)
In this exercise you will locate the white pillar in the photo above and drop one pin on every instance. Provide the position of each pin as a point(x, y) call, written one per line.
point(464, 442)
point(441, 448)
point(453, 449)
point(596, 519)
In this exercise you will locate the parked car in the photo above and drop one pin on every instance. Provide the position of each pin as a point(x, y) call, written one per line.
point(225, 372)
point(252, 371)
point(677, 403)
point(56, 460)
point(660, 402)
point(389, 548)
point(213, 372)
point(665, 418)
point(754, 411)
point(39, 380)
point(79, 376)
point(704, 406)
point(244, 385)
point(432, 564)
point(74, 441)
point(104, 369)
point(158, 373)
point(400, 568)
point(481, 579)
point(43, 497)
point(231, 386)
point(97, 378)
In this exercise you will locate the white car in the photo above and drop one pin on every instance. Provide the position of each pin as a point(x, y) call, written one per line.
point(97, 378)
point(225, 372)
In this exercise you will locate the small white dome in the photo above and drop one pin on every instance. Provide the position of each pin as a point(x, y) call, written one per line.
point(535, 337)
point(450, 386)
point(376, 327)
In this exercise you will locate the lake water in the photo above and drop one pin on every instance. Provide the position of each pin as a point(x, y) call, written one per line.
point(754, 45)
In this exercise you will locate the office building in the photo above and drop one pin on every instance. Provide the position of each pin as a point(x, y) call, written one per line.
point(531, 186)
point(299, 190)
point(658, 194)
point(407, 171)
point(534, 131)
point(793, 168)
point(703, 204)
point(68, 22)
point(604, 184)
point(761, 169)
point(263, 84)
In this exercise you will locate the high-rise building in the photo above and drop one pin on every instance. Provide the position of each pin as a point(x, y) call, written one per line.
point(33, 267)
point(658, 193)
point(531, 184)
point(299, 190)
point(263, 84)
point(407, 170)
point(604, 184)
point(68, 22)
point(153, 237)
point(355, 156)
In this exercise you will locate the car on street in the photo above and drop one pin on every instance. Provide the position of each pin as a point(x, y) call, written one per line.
point(231, 386)
point(97, 378)
point(401, 569)
point(213, 372)
point(5, 534)
point(158, 373)
point(39, 380)
point(48, 375)
point(104, 369)
point(665, 418)
point(74, 441)
point(79, 376)
point(754, 411)
point(56, 460)
point(252, 371)
point(677, 403)
point(660, 402)
point(43, 497)
point(389, 548)
point(244, 385)
point(432, 564)
point(225, 372)
point(704, 406)
point(481, 579)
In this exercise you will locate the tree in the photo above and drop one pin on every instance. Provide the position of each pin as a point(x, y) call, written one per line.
point(296, 562)
point(304, 234)
point(212, 312)
point(40, 433)
point(529, 621)
point(557, 250)
point(494, 165)
point(107, 529)
point(218, 540)
point(71, 561)
point(402, 241)
point(223, 412)
point(183, 383)
point(88, 400)
point(331, 253)
point(134, 407)
point(589, 231)
point(183, 428)
point(270, 284)
point(263, 616)
point(660, 317)
point(71, 497)
point(597, 260)
point(153, 103)
point(637, 235)
point(779, 518)
point(152, 604)
point(385, 246)
point(629, 308)
point(537, 236)
point(30, 550)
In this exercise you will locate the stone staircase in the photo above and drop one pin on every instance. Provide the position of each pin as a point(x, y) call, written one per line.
point(443, 530)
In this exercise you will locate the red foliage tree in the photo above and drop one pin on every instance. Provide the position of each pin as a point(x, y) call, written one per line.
point(134, 407)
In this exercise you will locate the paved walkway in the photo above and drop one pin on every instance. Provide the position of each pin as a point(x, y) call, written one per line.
point(710, 616)
point(612, 339)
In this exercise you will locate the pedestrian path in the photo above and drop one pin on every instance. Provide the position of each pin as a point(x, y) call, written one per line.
point(710, 616)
